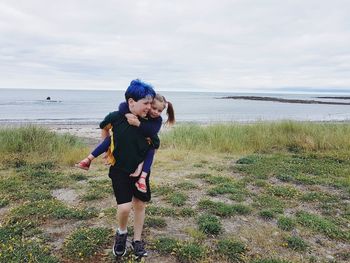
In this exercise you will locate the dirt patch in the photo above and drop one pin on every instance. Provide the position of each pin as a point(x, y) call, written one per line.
point(3, 211)
point(66, 195)
point(58, 230)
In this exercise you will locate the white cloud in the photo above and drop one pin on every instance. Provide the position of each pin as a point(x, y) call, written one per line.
point(178, 45)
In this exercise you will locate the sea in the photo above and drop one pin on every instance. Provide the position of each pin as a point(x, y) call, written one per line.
point(91, 106)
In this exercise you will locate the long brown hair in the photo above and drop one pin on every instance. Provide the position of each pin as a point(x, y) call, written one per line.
point(169, 109)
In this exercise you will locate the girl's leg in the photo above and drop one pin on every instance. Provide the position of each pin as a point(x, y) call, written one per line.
point(101, 148)
point(141, 183)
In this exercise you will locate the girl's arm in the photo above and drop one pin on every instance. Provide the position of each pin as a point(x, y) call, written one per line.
point(123, 108)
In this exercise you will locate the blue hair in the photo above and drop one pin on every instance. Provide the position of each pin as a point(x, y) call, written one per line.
point(138, 90)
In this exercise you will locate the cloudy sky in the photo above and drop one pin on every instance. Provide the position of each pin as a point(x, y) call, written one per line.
point(204, 45)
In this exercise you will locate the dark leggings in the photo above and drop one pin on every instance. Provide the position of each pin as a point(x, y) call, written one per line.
point(102, 147)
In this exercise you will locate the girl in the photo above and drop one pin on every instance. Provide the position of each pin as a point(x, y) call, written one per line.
point(149, 128)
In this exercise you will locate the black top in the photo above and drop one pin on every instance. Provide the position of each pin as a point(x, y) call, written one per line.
point(131, 145)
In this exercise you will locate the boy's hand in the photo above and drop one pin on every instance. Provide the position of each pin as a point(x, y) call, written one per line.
point(137, 171)
point(132, 119)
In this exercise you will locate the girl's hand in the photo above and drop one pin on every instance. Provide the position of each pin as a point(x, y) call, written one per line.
point(137, 171)
point(132, 119)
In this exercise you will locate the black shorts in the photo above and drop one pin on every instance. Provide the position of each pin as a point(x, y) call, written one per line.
point(124, 187)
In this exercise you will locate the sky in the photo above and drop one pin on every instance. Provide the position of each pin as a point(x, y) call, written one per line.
point(180, 45)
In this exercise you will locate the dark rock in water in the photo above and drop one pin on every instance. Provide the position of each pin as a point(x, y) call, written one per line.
point(284, 100)
point(338, 98)
point(48, 98)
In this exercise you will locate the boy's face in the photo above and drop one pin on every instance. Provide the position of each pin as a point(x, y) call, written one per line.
point(141, 107)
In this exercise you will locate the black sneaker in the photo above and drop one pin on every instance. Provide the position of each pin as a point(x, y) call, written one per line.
point(119, 247)
point(139, 249)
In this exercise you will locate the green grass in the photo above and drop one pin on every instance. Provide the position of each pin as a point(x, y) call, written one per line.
point(186, 212)
point(231, 250)
point(19, 250)
point(4, 202)
point(283, 191)
point(319, 197)
point(23, 242)
point(259, 137)
point(267, 214)
point(26, 144)
point(166, 245)
point(296, 243)
point(78, 177)
point(155, 222)
point(272, 203)
point(191, 252)
point(177, 198)
point(218, 180)
point(286, 223)
point(311, 168)
point(36, 182)
point(209, 224)
point(186, 185)
point(86, 242)
point(163, 190)
point(270, 260)
point(222, 209)
point(199, 175)
point(232, 188)
point(43, 210)
point(153, 210)
point(321, 225)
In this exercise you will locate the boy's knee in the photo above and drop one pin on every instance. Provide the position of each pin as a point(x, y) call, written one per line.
point(138, 204)
point(124, 208)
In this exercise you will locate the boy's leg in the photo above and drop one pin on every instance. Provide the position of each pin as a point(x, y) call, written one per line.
point(123, 192)
point(123, 215)
point(119, 247)
point(139, 218)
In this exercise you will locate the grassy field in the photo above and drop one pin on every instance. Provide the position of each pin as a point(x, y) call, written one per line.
point(262, 193)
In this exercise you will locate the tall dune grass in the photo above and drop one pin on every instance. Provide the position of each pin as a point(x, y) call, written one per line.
point(33, 143)
point(259, 137)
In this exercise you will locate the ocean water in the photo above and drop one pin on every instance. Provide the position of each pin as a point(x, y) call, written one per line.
point(90, 107)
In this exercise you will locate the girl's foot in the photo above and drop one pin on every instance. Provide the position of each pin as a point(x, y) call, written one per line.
point(84, 164)
point(141, 186)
